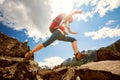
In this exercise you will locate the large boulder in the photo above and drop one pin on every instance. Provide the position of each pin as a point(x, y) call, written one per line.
point(92, 56)
point(12, 63)
point(14, 68)
point(103, 70)
point(12, 47)
point(111, 52)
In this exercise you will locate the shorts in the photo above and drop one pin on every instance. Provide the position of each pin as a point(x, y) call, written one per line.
point(57, 35)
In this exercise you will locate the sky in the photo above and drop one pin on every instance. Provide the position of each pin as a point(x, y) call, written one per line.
point(28, 20)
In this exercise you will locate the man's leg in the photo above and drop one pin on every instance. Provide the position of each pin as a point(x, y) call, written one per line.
point(38, 47)
point(72, 40)
point(52, 38)
point(30, 53)
point(75, 47)
point(77, 54)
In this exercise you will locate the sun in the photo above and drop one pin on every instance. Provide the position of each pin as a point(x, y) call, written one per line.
point(59, 6)
point(66, 6)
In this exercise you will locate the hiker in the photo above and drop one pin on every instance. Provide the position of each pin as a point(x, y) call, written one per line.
point(60, 27)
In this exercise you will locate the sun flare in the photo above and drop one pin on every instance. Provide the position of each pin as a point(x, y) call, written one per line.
point(59, 6)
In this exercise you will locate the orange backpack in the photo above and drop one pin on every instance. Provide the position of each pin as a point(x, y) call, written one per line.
point(55, 23)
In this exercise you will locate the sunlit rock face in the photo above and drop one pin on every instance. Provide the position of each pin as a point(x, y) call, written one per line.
point(102, 64)
point(12, 47)
point(12, 65)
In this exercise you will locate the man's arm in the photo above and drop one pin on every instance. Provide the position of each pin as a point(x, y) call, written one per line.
point(65, 20)
point(69, 30)
point(75, 12)
point(71, 14)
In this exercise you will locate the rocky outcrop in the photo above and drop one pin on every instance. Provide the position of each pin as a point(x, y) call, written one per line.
point(107, 65)
point(12, 47)
point(89, 70)
point(111, 52)
point(13, 66)
point(104, 70)
point(92, 56)
point(16, 69)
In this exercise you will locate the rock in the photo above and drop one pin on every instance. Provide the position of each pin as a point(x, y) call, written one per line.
point(14, 68)
point(12, 64)
point(103, 70)
point(107, 54)
point(54, 74)
point(110, 66)
point(92, 56)
point(111, 52)
point(12, 47)
point(87, 74)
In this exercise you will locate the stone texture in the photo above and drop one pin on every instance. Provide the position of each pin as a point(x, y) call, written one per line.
point(110, 66)
point(12, 47)
point(13, 66)
point(103, 70)
point(111, 52)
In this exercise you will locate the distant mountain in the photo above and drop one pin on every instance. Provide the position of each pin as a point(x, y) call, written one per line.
point(111, 52)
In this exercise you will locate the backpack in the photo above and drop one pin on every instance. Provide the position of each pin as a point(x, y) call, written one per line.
point(55, 23)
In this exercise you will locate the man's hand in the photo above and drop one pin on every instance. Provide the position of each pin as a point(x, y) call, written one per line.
point(74, 33)
point(76, 12)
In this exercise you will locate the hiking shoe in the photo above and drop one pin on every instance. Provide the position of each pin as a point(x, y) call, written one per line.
point(79, 56)
point(28, 55)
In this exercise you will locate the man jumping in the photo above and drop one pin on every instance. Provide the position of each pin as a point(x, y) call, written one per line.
point(60, 32)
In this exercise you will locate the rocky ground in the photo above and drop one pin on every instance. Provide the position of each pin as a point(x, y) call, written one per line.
point(13, 67)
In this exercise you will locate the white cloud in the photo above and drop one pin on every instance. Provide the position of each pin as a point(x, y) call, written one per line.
point(97, 6)
point(103, 6)
point(1, 1)
point(54, 43)
point(86, 15)
point(104, 33)
point(51, 62)
point(32, 15)
point(59, 6)
point(110, 22)
point(35, 15)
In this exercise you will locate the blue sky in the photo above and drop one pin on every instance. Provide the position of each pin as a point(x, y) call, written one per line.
point(29, 20)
